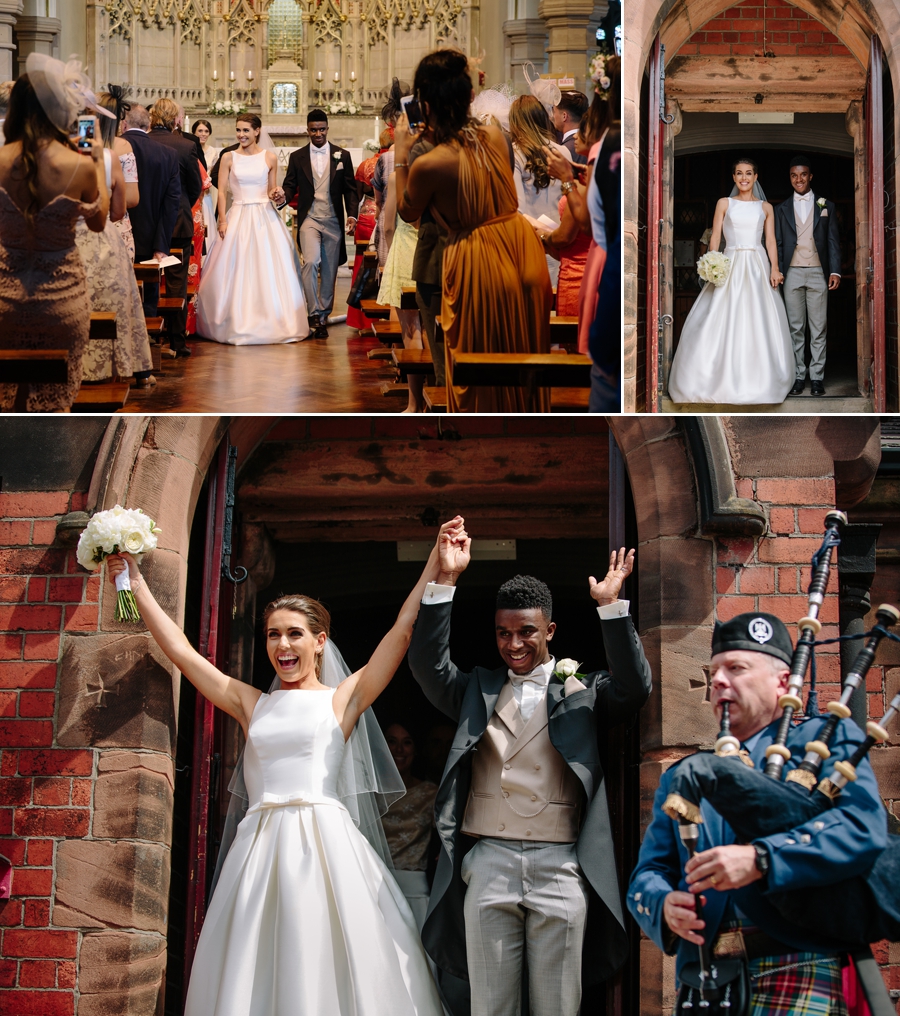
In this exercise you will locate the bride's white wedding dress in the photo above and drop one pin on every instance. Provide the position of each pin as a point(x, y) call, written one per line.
point(735, 346)
point(250, 290)
point(305, 920)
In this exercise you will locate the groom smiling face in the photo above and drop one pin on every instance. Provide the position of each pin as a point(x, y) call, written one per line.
point(801, 179)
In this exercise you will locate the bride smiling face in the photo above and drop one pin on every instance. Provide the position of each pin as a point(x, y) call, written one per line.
point(293, 647)
point(744, 175)
point(247, 132)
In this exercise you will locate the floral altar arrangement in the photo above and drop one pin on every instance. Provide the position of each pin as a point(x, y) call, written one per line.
point(714, 267)
point(118, 530)
point(342, 108)
point(224, 107)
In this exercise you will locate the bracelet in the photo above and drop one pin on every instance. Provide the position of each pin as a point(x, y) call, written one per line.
point(401, 165)
point(566, 187)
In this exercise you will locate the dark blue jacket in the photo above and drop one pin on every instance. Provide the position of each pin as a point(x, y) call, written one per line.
point(159, 184)
point(838, 844)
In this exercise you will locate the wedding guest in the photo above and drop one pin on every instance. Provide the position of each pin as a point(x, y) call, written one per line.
point(153, 217)
point(163, 118)
point(496, 287)
point(567, 114)
point(365, 225)
point(114, 101)
point(5, 89)
point(203, 130)
point(195, 141)
point(538, 192)
point(196, 259)
point(409, 822)
point(320, 176)
point(110, 275)
point(383, 169)
point(605, 339)
point(46, 185)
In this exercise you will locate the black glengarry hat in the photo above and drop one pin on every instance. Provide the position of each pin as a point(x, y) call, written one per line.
point(757, 633)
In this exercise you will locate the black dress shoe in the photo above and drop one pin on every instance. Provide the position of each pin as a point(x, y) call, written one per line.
point(321, 332)
point(818, 387)
point(799, 385)
point(182, 351)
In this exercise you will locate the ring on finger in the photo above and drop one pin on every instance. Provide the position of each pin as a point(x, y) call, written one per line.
point(713, 879)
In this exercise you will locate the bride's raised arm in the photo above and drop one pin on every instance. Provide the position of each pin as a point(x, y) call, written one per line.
point(715, 238)
point(232, 697)
point(360, 690)
point(775, 276)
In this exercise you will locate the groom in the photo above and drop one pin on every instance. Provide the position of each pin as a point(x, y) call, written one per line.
point(806, 233)
point(526, 873)
point(321, 177)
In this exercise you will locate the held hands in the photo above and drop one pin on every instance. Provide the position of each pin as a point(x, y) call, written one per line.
point(620, 567)
point(454, 551)
point(776, 278)
point(277, 195)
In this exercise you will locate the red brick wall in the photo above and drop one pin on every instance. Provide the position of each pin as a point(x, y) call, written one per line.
point(752, 29)
point(772, 574)
point(45, 792)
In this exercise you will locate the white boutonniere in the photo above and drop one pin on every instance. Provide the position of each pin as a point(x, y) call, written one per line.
point(336, 155)
point(821, 202)
point(567, 668)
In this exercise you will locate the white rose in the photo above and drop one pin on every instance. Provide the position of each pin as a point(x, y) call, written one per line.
point(133, 542)
point(567, 668)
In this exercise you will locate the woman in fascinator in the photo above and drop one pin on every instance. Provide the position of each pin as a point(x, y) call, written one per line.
point(46, 185)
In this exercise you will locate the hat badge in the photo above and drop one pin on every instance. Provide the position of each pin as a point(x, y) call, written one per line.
point(760, 630)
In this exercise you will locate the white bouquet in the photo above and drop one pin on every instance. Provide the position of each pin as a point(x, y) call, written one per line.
point(714, 267)
point(118, 530)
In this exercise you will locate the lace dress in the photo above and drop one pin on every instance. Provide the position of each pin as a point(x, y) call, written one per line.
point(129, 169)
point(44, 302)
point(113, 288)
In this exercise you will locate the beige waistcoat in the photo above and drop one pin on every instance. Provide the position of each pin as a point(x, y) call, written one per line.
point(522, 788)
point(322, 208)
point(805, 253)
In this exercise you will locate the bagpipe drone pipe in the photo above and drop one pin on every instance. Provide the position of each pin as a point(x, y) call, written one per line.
point(756, 804)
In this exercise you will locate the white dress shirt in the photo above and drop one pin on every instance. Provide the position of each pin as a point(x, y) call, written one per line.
point(803, 205)
point(319, 157)
point(528, 689)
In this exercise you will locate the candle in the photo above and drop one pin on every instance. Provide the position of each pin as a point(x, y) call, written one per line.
point(249, 75)
point(231, 76)
point(377, 133)
point(215, 75)
point(353, 75)
point(337, 77)
point(319, 76)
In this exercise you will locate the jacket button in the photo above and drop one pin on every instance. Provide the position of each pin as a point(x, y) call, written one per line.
point(533, 798)
point(527, 832)
point(818, 826)
point(507, 766)
point(501, 827)
point(537, 767)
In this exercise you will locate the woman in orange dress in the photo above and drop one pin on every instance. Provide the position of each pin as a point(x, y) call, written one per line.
point(496, 287)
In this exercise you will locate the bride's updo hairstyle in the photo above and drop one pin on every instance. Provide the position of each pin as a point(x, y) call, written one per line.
point(252, 119)
point(744, 161)
point(316, 614)
point(442, 80)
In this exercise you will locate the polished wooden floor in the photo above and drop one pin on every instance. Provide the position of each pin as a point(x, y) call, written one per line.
point(330, 375)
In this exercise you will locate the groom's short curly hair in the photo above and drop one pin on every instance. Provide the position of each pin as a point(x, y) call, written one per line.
point(523, 593)
point(800, 160)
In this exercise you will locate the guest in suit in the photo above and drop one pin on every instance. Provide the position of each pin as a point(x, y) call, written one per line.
point(163, 116)
point(800, 969)
point(566, 116)
point(321, 177)
point(153, 217)
point(195, 141)
point(526, 864)
point(806, 234)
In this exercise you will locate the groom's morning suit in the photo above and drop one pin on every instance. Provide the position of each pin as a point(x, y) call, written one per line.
point(809, 251)
point(528, 797)
point(322, 180)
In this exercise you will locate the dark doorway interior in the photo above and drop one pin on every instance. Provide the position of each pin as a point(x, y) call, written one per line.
point(701, 178)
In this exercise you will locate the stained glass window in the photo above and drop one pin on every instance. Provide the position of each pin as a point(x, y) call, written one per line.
point(284, 98)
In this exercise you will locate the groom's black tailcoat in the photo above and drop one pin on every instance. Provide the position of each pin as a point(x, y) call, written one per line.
point(299, 181)
point(825, 234)
point(573, 725)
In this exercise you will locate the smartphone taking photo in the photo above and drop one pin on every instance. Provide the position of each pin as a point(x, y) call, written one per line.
point(410, 106)
point(87, 130)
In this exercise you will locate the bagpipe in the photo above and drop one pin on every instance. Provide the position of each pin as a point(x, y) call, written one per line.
point(850, 913)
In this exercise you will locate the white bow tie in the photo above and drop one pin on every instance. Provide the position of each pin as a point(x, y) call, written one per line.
point(803, 197)
point(536, 676)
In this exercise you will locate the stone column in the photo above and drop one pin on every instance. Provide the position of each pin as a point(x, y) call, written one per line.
point(856, 563)
point(9, 12)
point(36, 35)
point(855, 124)
point(571, 24)
point(667, 250)
point(97, 38)
point(526, 39)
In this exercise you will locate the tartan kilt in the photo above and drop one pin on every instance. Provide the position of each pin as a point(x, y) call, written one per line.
point(797, 984)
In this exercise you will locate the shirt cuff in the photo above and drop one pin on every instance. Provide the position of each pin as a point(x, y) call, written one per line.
point(608, 611)
point(436, 593)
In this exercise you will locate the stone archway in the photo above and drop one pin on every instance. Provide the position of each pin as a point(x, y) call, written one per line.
point(675, 22)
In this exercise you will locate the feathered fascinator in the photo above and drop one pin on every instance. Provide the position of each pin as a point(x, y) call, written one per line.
point(545, 91)
point(122, 104)
point(392, 108)
point(62, 89)
point(493, 102)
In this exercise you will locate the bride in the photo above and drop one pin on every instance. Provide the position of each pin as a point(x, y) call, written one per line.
point(735, 345)
point(250, 289)
point(306, 919)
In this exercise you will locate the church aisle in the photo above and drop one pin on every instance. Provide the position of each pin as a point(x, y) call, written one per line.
point(330, 375)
